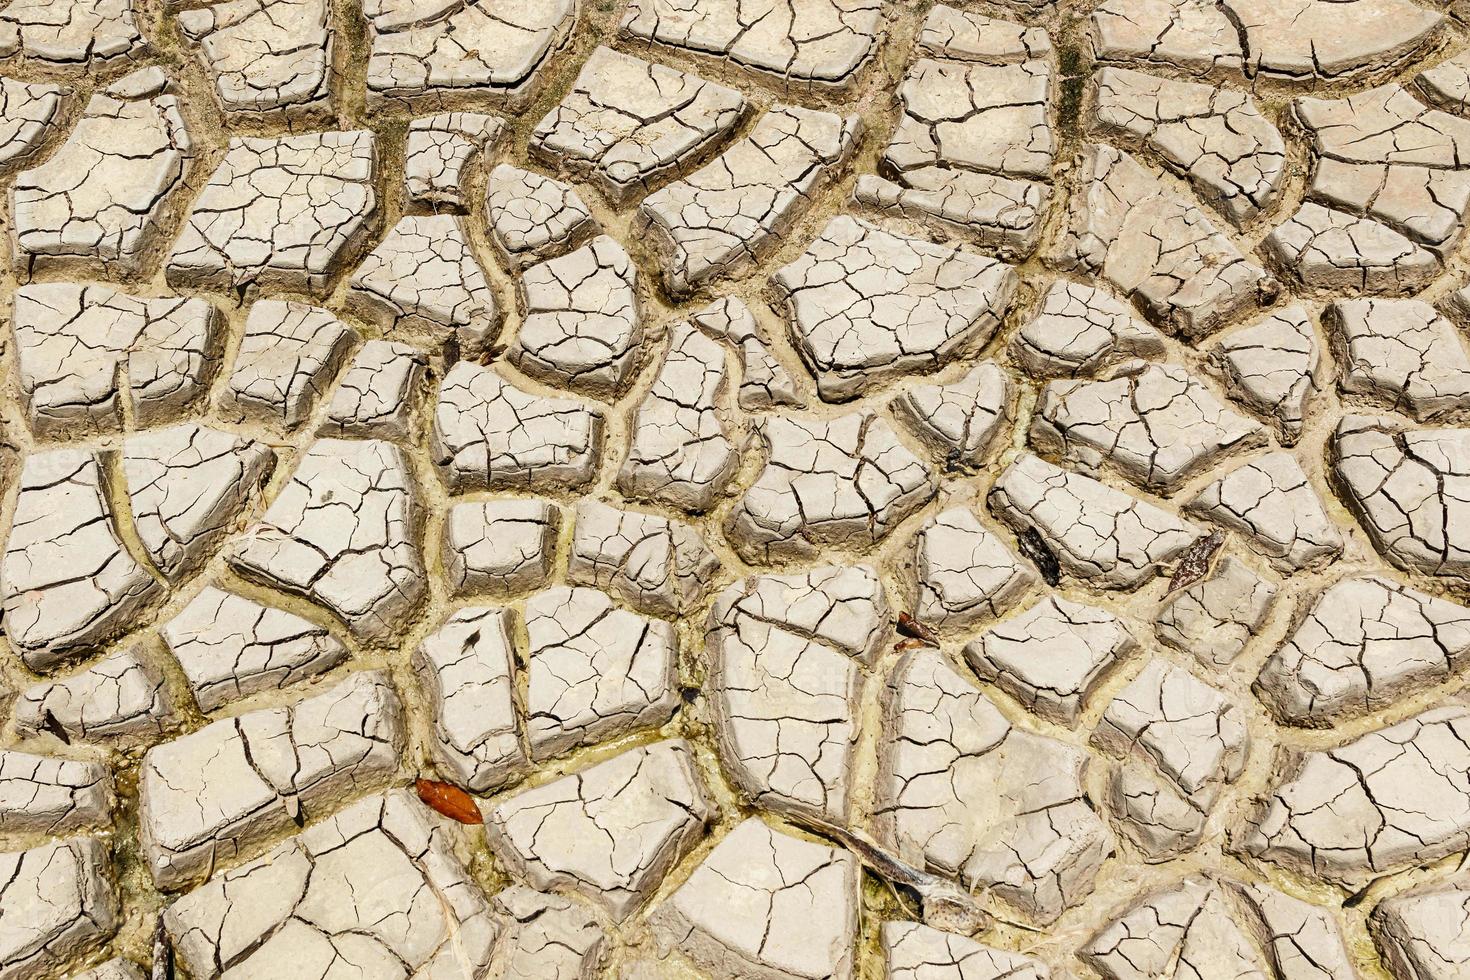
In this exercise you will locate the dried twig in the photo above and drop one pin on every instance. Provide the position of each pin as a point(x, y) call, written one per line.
point(946, 905)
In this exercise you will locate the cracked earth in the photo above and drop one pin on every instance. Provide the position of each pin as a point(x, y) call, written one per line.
point(735, 490)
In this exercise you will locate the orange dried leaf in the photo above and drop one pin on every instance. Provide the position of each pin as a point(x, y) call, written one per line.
point(449, 800)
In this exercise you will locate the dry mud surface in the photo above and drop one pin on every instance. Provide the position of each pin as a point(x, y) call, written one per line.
point(819, 489)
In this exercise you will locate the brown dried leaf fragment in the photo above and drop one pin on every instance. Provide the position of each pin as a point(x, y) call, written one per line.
point(912, 628)
point(449, 800)
point(1195, 563)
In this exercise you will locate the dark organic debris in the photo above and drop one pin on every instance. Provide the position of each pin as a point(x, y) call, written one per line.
point(1034, 547)
point(1194, 564)
point(163, 954)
